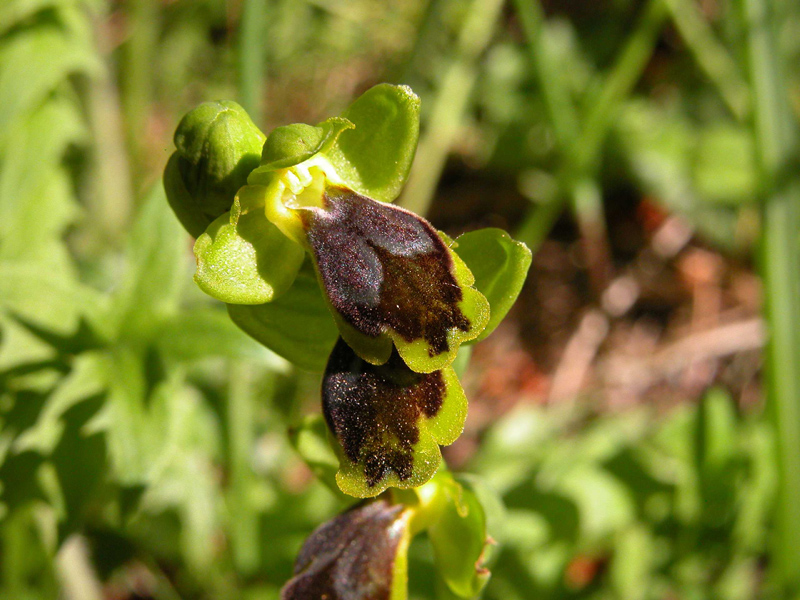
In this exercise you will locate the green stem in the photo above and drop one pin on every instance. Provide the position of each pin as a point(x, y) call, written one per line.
point(252, 57)
point(111, 202)
point(13, 545)
point(450, 105)
point(428, 32)
point(551, 78)
point(587, 202)
point(711, 56)
point(539, 221)
point(619, 84)
point(776, 145)
point(581, 157)
point(241, 439)
point(138, 58)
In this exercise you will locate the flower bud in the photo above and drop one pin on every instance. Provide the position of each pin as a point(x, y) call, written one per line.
point(217, 148)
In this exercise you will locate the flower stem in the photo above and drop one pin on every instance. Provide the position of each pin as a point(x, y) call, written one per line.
point(450, 104)
point(252, 57)
point(776, 144)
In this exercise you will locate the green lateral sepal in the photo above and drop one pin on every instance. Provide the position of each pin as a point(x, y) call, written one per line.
point(500, 266)
point(387, 421)
point(297, 325)
point(242, 258)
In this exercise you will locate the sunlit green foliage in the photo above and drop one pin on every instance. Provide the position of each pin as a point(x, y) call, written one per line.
point(139, 422)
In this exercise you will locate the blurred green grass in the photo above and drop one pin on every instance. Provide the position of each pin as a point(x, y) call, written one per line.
point(143, 447)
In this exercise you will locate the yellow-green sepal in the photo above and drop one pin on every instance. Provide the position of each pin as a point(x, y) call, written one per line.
point(242, 258)
point(500, 265)
point(298, 325)
point(375, 158)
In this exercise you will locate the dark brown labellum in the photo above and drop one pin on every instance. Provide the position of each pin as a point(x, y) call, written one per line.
point(384, 268)
point(388, 420)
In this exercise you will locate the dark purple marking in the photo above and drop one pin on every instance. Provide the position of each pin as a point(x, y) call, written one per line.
point(385, 267)
point(374, 411)
point(351, 557)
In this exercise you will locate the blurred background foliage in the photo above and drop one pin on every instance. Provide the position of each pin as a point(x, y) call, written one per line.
point(643, 150)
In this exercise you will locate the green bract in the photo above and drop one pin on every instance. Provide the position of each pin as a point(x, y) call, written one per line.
point(399, 296)
point(298, 325)
point(458, 536)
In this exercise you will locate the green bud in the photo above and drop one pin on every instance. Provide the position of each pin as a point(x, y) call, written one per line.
point(218, 145)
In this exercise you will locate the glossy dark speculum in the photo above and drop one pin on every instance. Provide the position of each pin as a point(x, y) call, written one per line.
point(351, 557)
point(374, 411)
point(384, 267)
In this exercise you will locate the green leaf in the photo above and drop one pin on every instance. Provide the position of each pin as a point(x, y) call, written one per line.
point(361, 553)
point(391, 280)
point(156, 251)
point(51, 301)
point(309, 438)
point(633, 562)
point(34, 64)
point(36, 197)
point(375, 157)
point(659, 147)
point(500, 265)
point(84, 338)
point(298, 325)
point(724, 166)
point(604, 503)
point(80, 463)
point(718, 455)
point(14, 12)
point(388, 421)
point(20, 476)
point(217, 148)
point(195, 334)
point(459, 538)
point(88, 379)
point(179, 446)
point(242, 258)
